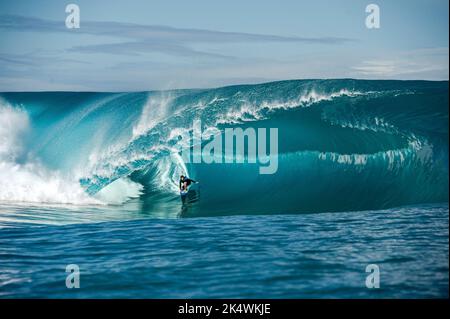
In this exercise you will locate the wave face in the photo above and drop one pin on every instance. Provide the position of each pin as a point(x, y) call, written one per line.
point(343, 145)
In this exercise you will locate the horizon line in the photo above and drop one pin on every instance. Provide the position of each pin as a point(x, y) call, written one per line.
point(224, 86)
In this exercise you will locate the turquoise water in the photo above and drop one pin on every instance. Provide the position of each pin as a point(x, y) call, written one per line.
point(382, 142)
point(362, 178)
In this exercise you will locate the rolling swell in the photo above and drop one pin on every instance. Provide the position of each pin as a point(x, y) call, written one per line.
point(343, 144)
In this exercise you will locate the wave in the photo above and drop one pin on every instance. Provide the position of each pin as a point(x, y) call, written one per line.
point(25, 179)
point(343, 145)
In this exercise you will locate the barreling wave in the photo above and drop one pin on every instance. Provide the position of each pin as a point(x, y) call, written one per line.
point(343, 145)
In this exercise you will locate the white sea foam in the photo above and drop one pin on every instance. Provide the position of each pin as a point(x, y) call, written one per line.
point(30, 181)
point(14, 124)
point(251, 111)
point(33, 183)
point(394, 159)
point(120, 191)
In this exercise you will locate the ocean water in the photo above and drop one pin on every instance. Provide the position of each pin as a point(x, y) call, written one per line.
point(321, 255)
point(92, 179)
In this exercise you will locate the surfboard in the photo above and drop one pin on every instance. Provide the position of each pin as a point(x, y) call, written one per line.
point(184, 193)
point(190, 195)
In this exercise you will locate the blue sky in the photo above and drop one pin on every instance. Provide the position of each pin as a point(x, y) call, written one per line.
point(142, 45)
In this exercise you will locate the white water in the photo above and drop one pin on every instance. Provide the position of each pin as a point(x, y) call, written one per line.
point(24, 179)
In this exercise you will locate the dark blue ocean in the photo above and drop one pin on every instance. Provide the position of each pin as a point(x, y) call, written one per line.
point(320, 255)
point(361, 178)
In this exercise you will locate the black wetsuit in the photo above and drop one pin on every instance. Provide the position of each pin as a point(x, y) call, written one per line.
point(186, 180)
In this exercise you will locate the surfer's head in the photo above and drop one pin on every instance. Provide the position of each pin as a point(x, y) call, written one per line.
point(182, 177)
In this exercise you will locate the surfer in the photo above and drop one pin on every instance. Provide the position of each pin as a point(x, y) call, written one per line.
point(185, 182)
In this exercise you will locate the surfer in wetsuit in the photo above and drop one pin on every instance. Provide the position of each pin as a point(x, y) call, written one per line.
point(185, 182)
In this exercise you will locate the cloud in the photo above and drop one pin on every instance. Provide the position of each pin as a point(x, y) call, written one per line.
point(136, 48)
point(420, 63)
point(153, 32)
point(377, 68)
point(138, 38)
point(36, 58)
